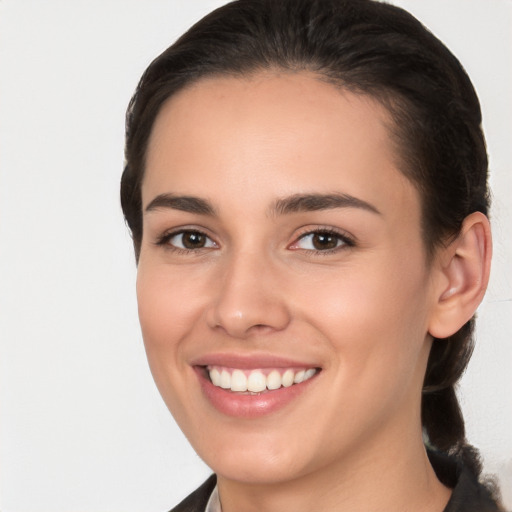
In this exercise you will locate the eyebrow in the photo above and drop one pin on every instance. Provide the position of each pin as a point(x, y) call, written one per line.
point(188, 204)
point(292, 204)
point(315, 202)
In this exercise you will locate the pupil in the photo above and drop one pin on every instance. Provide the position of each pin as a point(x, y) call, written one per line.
point(193, 240)
point(324, 241)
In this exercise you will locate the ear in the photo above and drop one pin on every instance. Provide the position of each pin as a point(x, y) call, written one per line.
point(462, 273)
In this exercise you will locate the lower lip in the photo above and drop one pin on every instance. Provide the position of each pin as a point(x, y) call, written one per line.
point(250, 406)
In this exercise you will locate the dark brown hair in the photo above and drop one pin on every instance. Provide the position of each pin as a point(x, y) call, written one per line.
point(370, 48)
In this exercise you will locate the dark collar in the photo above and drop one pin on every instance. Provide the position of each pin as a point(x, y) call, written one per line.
point(196, 502)
point(468, 494)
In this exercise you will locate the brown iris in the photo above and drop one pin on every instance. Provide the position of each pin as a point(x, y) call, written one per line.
point(193, 240)
point(323, 241)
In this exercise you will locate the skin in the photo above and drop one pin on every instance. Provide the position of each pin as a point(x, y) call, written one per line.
point(361, 313)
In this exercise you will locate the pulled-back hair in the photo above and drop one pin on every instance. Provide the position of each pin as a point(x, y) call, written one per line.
point(369, 48)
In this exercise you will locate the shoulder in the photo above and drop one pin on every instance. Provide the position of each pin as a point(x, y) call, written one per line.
point(196, 502)
point(468, 494)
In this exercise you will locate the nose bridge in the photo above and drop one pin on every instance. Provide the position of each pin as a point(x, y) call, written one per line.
point(248, 298)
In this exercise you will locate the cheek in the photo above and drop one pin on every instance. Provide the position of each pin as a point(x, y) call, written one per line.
point(167, 302)
point(363, 297)
point(168, 310)
point(378, 349)
point(375, 320)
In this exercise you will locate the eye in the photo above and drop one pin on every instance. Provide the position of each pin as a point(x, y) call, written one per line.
point(188, 240)
point(322, 240)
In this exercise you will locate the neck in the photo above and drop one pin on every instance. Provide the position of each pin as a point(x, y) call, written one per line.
point(399, 477)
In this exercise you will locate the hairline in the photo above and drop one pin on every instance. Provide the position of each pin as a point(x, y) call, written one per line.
point(392, 102)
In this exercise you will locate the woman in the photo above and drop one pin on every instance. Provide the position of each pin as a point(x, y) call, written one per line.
point(306, 186)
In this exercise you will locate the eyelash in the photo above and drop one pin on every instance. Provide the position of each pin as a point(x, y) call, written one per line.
point(346, 241)
point(165, 239)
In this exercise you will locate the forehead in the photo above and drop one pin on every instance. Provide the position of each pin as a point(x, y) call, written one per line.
point(291, 105)
point(288, 131)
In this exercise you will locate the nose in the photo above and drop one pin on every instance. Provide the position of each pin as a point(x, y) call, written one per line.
point(250, 298)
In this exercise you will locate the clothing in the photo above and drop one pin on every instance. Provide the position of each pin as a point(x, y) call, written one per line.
point(213, 504)
point(196, 502)
point(468, 494)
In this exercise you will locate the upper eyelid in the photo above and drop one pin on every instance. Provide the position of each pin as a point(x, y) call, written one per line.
point(347, 241)
point(299, 233)
point(171, 233)
point(186, 228)
point(309, 230)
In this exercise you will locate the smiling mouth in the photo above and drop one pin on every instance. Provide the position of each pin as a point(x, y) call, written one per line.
point(257, 381)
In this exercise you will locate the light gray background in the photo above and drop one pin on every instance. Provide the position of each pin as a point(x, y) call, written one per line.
point(82, 425)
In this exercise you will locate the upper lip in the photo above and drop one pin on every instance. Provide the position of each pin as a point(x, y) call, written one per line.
point(250, 361)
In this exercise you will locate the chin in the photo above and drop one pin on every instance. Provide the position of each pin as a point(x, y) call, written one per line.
point(256, 468)
point(257, 457)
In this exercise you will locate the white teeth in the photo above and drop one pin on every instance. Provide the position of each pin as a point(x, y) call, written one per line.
point(309, 373)
point(215, 377)
point(274, 380)
point(225, 379)
point(288, 377)
point(238, 381)
point(255, 381)
point(299, 377)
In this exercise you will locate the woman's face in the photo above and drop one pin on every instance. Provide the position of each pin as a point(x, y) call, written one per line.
point(281, 244)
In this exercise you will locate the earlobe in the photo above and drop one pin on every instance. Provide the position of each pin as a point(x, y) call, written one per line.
point(463, 267)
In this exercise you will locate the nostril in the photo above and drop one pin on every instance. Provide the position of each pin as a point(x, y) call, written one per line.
point(240, 311)
point(261, 328)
